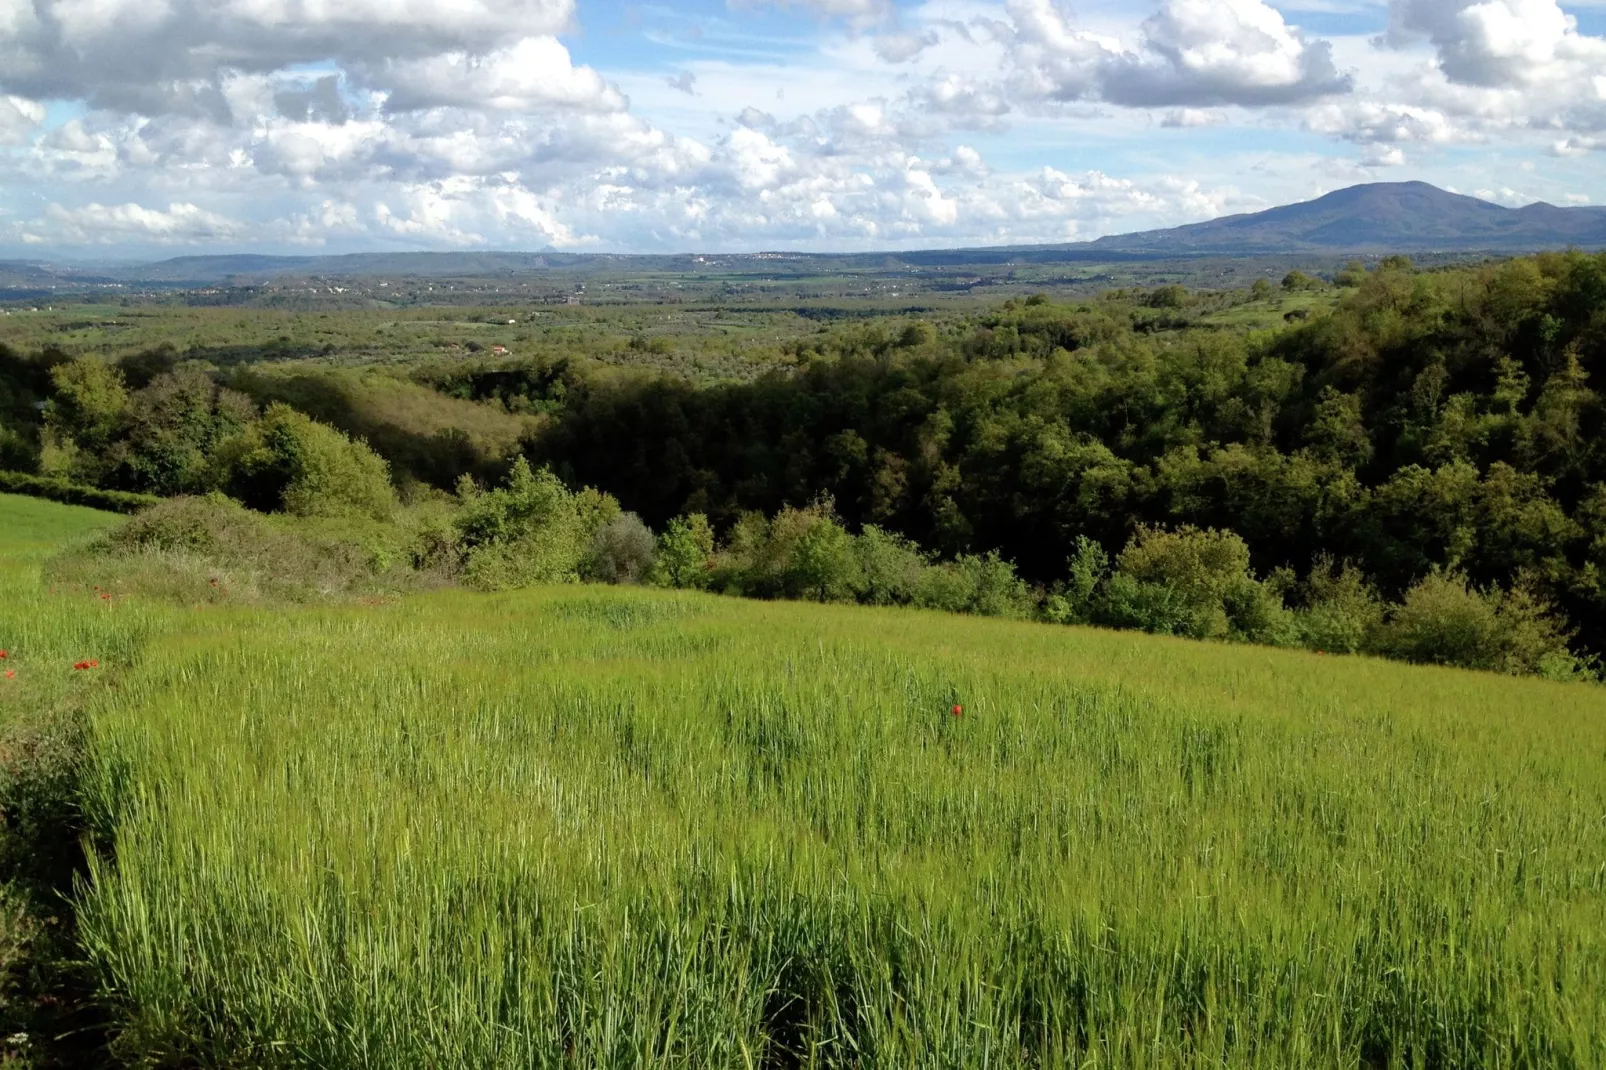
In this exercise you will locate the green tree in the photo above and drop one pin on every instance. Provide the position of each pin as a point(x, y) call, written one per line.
point(685, 553)
point(823, 562)
point(288, 461)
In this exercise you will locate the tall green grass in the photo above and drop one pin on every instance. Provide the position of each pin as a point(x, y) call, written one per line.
point(607, 827)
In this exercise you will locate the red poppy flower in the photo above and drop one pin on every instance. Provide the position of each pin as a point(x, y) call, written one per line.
point(4, 655)
point(957, 710)
point(90, 664)
point(105, 598)
point(11, 673)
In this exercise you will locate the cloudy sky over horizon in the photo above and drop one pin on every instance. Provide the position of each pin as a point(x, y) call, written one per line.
point(132, 127)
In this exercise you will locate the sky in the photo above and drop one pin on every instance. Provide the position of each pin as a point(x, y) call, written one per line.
point(140, 128)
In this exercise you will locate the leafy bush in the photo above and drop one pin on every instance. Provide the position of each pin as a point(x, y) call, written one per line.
point(1342, 613)
point(982, 584)
point(290, 462)
point(823, 565)
point(1194, 583)
point(891, 567)
point(1076, 601)
point(17, 450)
point(685, 553)
point(60, 490)
point(1444, 620)
point(622, 551)
point(532, 530)
point(211, 549)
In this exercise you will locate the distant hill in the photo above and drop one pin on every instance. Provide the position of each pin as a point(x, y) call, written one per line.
point(1381, 217)
point(1384, 217)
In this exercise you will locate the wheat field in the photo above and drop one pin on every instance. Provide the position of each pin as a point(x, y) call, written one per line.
point(607, 827)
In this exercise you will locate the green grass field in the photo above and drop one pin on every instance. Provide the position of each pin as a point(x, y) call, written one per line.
point(609, 827)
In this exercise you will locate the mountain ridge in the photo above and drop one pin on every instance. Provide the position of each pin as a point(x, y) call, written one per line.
point(1374, 218)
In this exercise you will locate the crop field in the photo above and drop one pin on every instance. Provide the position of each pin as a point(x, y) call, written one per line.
point(593, 826)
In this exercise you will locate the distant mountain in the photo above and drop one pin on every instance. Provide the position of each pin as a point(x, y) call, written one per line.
point(1385, 217)
point(1381, 217)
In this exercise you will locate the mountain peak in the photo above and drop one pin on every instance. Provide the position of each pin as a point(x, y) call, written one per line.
point(1380, 216)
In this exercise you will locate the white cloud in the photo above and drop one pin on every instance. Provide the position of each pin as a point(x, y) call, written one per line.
point(530, 75)
point(154, 56)
point(1197, 53)
point(903, 47)
point(107, 224)
point(1500, 42)
point(18, 119)
point(1181, 118)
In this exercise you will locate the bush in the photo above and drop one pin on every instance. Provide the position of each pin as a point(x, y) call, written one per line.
point(1342, 613)
point(1077, 599)
point(1172, 296)
point(17, 450)
point(622, 551)
point(685, 553)
point(891, 567)
point(1193, 583)
point(766, 558)
point(530, 531)
point(823, 565)
point(212, 549)
point(290, 462)
point(60, 490)
point(1444, 620)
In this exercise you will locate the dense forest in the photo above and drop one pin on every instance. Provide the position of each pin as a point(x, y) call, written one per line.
point(1434, 428)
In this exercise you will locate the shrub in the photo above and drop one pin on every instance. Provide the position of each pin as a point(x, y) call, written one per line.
point(1076, 601)
point(767, 558)
point(891, 567)
point(685, 553)
point(60, 490)
point(211, 548)
point(532, 530)
point(1444, 620)
point(985, 585)
point(622, 551)
point(823, 565)
point(1193, 583)
point(17, 450)
point(1172, 296)
point(1342, 613)
point(290, 462)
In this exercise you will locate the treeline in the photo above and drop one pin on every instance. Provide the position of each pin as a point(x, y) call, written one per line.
point(1433, 440)
point(1435, 422)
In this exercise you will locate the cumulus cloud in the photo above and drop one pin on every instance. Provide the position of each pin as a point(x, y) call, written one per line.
point(1500, 42)
point(111, 223)
point(903, 47)
point(440, 123)
point(1182, 118)
point(151, 55)
point(1369, 122)
point(18, 118)
point(529, 75)
point(1193, 53)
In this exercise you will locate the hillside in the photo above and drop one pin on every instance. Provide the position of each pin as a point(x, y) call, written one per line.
point(1382, 217)
point(604, 826)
